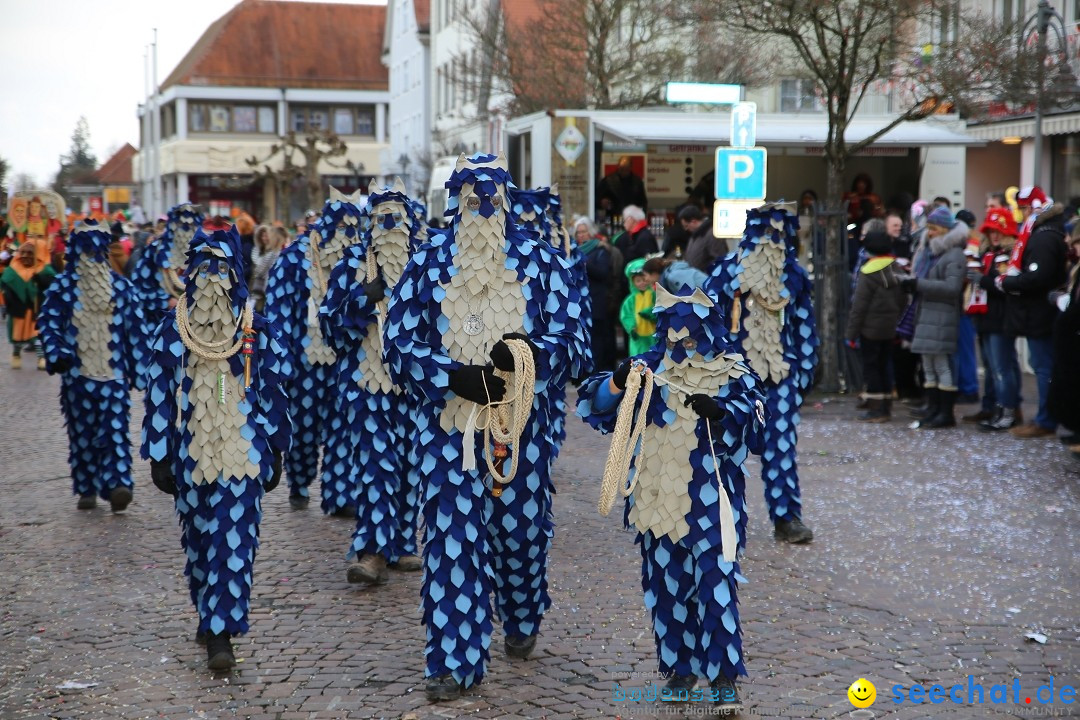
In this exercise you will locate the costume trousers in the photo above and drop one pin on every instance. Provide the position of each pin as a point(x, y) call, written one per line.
point(779, 467)
point(469, 534)
point(690, 591)
point(310, 402)
point(97, 414)
point(387, 498)
point(220, 522)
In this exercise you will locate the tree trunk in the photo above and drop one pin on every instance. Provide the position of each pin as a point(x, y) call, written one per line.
point(833, 277)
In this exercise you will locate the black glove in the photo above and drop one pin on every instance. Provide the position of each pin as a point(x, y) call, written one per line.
point(375, 290)
point(162, 474)
point(62, 365)
point(500, 353)
point(275, 475)
point(620, 375)
point(469, 381)
point(704, 406)
point(909, 285)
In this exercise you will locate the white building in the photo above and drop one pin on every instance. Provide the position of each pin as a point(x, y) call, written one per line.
point(406, 54)
point(263, 69)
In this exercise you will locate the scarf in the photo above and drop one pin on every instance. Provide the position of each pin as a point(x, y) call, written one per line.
point(589, 245)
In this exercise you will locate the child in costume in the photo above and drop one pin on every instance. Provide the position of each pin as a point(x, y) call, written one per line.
point(95, 338)
point(159, 272)
point(294, 292)
point(636, 313)
point(371, 439)
point(23, 285)
point(482, 312)
point(698, 415)
point(769, 299)
point(216, 425)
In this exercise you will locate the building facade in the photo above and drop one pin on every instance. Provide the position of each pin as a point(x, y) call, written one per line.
point(249, 80)
point(406, 54)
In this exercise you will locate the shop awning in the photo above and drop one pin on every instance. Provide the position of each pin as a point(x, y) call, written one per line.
point(772, 129)
point(1025, 128)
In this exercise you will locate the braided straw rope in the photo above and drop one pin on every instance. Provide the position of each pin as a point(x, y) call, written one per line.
point(205, 349)
point(506, 419)
point(625, 439)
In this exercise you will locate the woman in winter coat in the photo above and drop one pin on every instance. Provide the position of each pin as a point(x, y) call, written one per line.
point(940, 295)
point(876, 309)
point(598, 268)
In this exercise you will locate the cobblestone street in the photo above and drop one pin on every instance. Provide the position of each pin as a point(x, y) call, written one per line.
point(935, 553)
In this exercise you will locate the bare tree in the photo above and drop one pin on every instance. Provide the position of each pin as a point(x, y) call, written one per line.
point(22, 182)
point(313, 148)
point(850, 48)
point(605, 54)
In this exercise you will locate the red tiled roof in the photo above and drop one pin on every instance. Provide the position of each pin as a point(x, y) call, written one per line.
point(274, 43)
point(117, 169)
point(423, 15)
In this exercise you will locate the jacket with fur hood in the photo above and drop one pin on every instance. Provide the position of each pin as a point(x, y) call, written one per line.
point(1028, 311)
point(940, 294)
point(879, 301)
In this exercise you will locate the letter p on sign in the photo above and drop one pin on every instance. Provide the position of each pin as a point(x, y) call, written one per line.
point(740, 173)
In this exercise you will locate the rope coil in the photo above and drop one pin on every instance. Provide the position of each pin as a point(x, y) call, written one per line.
point(505, 420)
point(208, 350)
point(628, 430)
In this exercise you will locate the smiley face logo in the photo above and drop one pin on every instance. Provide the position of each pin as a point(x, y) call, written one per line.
point(862, 693)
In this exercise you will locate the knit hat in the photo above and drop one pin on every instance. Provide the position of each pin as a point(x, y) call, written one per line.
point(878, 243)
point(966, 216)
point(999, 219)
point(942, 218)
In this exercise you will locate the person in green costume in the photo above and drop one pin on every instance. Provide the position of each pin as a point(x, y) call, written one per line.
point(23, 284)
point(637, 309)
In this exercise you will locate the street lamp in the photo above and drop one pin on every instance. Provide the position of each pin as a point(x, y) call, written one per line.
point(1063, 87)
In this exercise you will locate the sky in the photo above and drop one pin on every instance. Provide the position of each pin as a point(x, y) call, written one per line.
point(65, 58)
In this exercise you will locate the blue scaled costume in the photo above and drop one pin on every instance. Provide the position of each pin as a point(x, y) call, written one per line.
point(158, 273)
point(370, 444)
point(216, 425)
point(462, 296)
point(768, 297)
point(704, 414)
point(95, 337)
point(294, 291)
point(540, 210)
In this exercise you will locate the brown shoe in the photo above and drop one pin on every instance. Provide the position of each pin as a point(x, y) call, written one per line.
point(370, 569)
point(1032, 430)
point(16, 362)
point(408, 563)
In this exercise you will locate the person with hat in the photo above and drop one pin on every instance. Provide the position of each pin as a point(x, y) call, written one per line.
point(938, 286)
point(1036, 267)
point(1001, 401)
point(23, 285)
point(94, 334)
point(215, 428)
point(875, 311)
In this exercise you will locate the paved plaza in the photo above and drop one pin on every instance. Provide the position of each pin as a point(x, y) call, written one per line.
point(935, 553)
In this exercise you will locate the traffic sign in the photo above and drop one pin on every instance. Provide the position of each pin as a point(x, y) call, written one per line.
point(740, 173)
point(744, 125)
point(729, 218)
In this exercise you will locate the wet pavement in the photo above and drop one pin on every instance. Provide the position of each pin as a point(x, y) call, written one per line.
point(935, 553)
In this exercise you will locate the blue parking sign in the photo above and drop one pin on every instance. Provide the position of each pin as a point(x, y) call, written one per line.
point(740, 173)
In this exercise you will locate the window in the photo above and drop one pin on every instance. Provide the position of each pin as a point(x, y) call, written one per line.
point(365, 121)
point(266, 119)
point(244, 119)
point(317, 120)
point(219, 118)
point(343, 121)
point(168, 120)
point(798, 95)
point(298, 121)
point(197, 117)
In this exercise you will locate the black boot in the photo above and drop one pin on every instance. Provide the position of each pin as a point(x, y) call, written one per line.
point(726, 694)
point(87, 502)
point(792, 531)
point(933, 404)
point(200, 635)
point(944, 417)
point(876, 411)
point(119, 498)
point(442, 687)
point(298, 502)
point(518, 646)
point(219, 652)
point(1004, 420)
point(680, 686)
